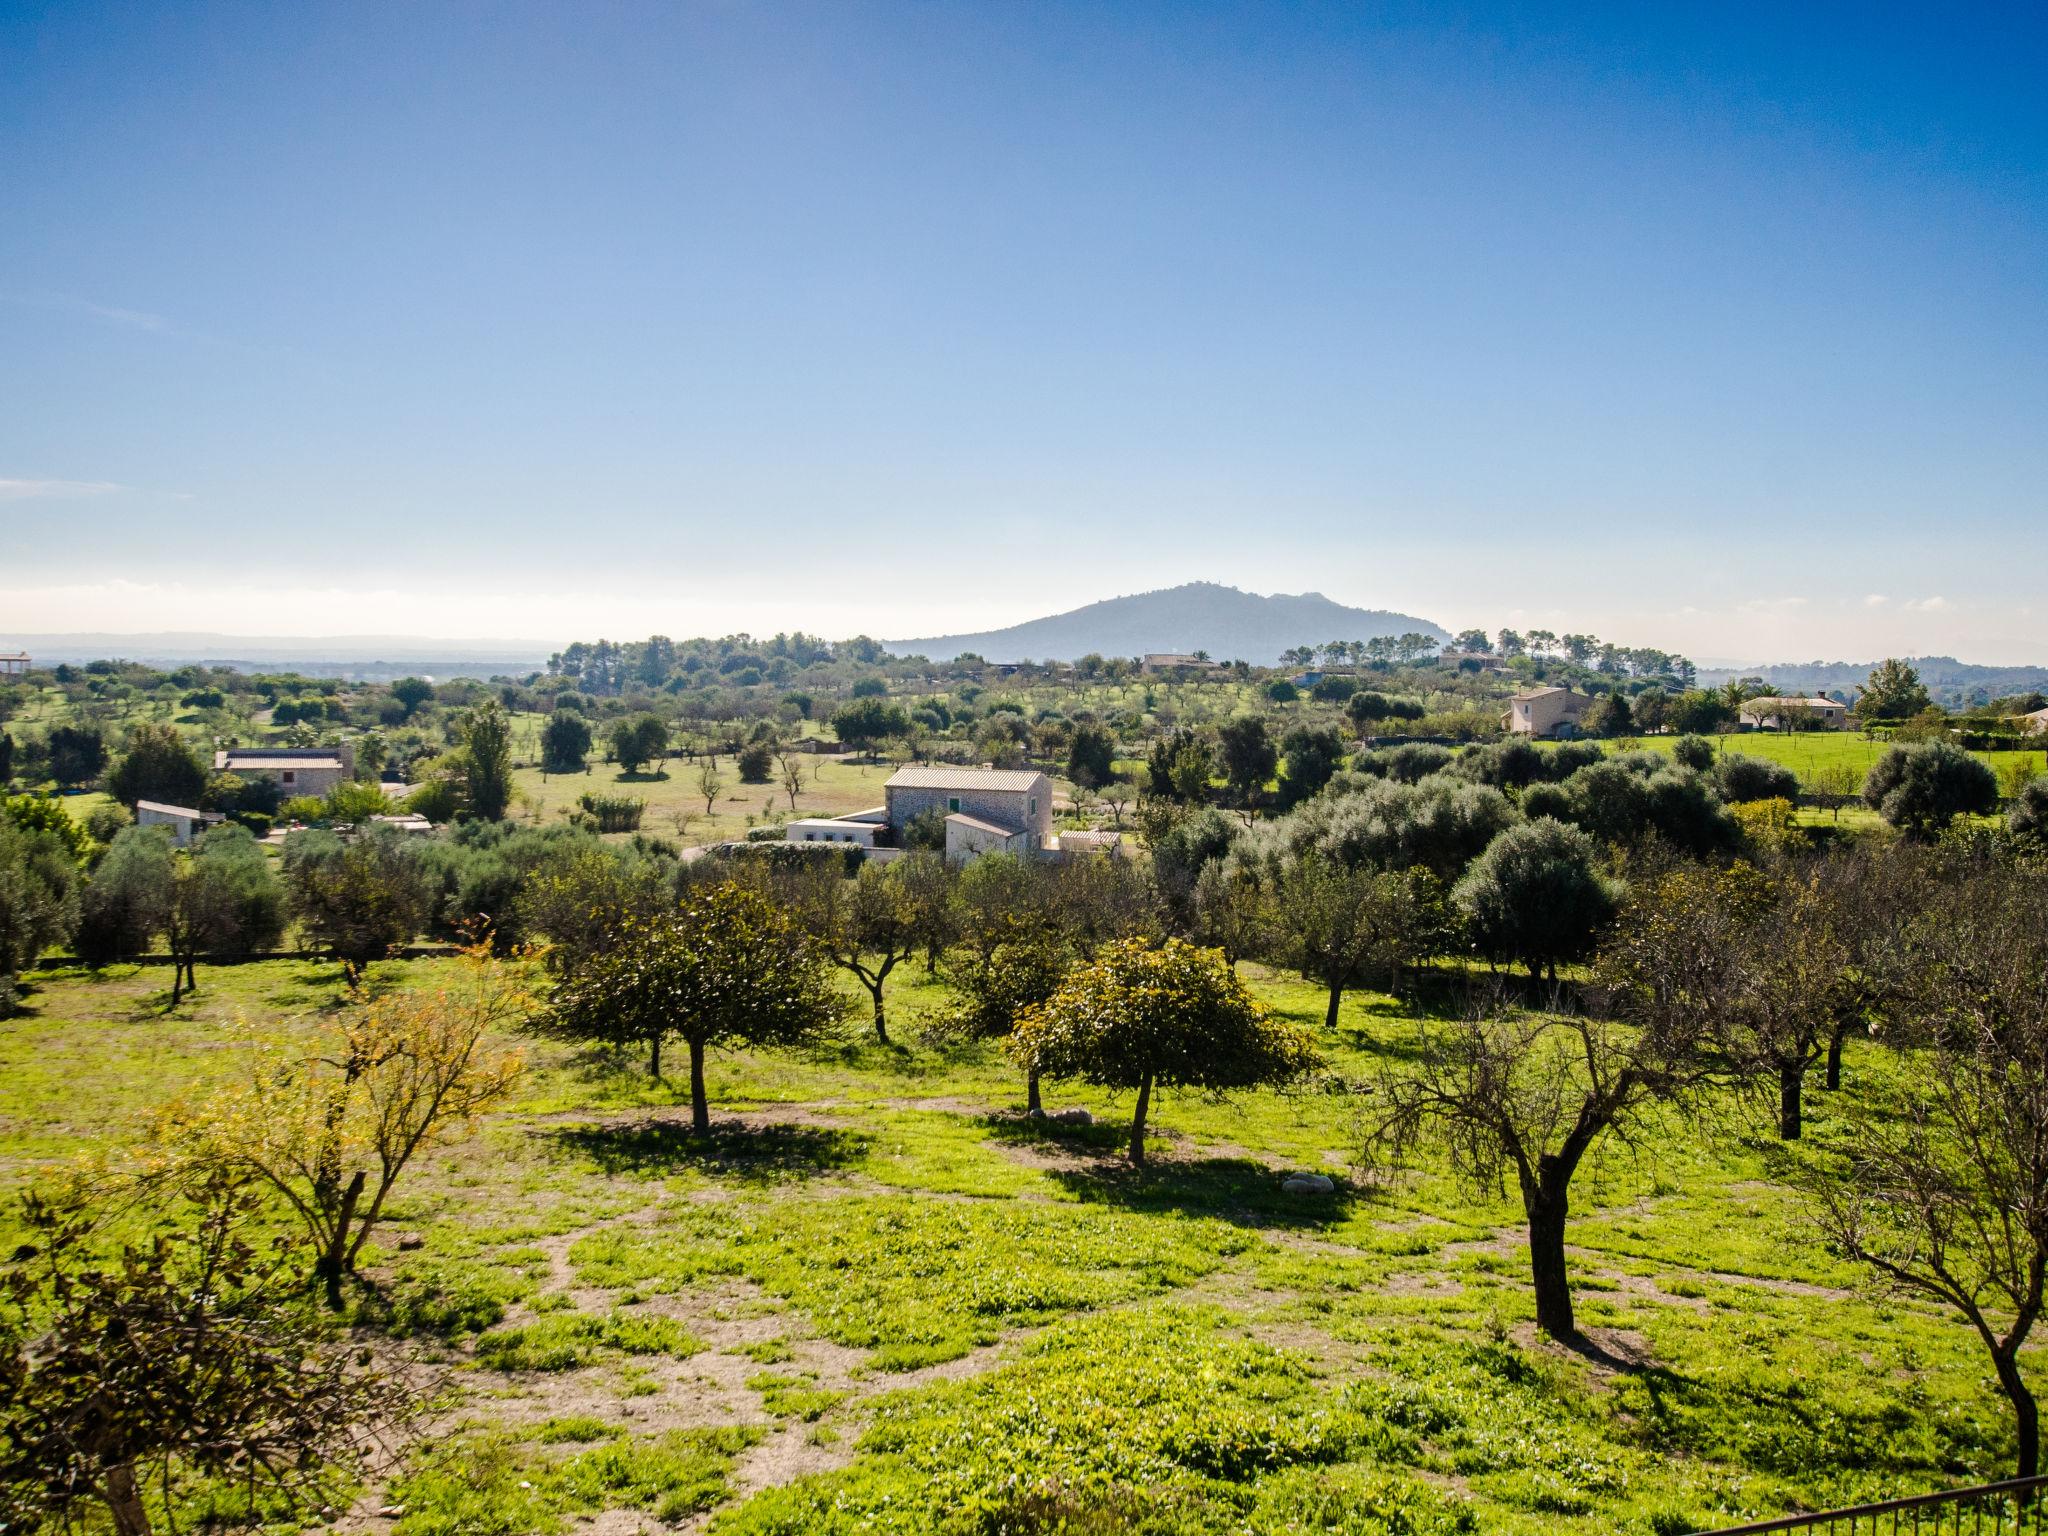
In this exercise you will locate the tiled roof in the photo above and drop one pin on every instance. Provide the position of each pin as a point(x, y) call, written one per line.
point(984, 826)
point(231, 759)
point(1003, 780)
point(175, 810)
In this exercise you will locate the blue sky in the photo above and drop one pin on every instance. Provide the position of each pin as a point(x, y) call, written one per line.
point(1721, 328)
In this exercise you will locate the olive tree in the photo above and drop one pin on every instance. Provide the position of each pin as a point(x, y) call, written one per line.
point(124, 904)
point(1753, 958)
point(1536, 895)
point(224, 901)
point(1146, 1015)
point(727, 964)
point(38, 895)
point(1920, 787)
point(359, 900)
point(1341, 927)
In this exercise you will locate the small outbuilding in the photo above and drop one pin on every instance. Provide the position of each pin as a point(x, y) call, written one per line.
point(185, 823)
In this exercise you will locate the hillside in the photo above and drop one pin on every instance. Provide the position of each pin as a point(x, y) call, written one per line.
point(1201, 616)
point(1950, 681)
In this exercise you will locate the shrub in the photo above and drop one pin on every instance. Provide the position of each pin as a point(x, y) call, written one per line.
point(1695, 752)
point(1921, 787)
point(2027, 821)
point(612, 813)
point(1740, 779)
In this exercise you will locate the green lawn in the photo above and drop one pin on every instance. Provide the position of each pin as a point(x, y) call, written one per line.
point(1808, 752)
point(878, 1299)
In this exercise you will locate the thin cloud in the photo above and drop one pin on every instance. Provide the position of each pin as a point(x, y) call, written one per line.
point(1928, 605)
point(141, 319)
point(54, 490)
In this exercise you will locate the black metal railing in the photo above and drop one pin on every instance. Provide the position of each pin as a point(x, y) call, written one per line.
point(2019, 1505)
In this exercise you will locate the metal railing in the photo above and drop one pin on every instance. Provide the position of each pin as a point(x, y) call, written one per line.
point(2019, 1505)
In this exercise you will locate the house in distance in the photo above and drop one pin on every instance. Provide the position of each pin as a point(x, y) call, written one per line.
point(1793, 714)
point(1545, 712)
point(986, 810)
point(311, 771)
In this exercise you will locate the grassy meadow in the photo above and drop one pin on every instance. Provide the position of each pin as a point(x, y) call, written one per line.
point(878, 1298)
point(1809, 753)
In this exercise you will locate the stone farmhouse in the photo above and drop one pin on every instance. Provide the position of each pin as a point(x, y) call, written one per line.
point(1545, 712)
point(1780, 713)
point(311, 771)
point(986, 810)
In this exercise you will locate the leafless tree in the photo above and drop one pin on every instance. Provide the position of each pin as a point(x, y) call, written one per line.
point(793, 767)
point(1752, 956)
point(1508, 1090)
point(709, 782)
point(1941, 1183)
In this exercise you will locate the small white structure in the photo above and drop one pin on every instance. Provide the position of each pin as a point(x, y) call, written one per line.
point(2037, 721)
point(410, 822)
point(1545, 712)
point(1073, 844)
point(185, 823)
point(833, 829)
point(969, 837)
point(1783, 713)
point(1168, 661)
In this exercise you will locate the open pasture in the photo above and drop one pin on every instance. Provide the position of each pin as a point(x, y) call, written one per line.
point(877, 1298)
point(1809, 753)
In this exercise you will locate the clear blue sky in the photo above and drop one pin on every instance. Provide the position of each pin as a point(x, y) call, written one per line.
point(1716, 327)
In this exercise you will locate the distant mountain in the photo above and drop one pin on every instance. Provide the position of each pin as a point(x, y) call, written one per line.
point(1201, 616)
point(1951, 682)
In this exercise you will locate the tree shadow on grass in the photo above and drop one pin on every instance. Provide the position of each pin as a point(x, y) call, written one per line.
point(1233, 1189)
point(1238, 1190)
point(765, 1154)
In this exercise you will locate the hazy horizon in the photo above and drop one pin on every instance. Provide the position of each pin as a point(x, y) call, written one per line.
point(300, 640)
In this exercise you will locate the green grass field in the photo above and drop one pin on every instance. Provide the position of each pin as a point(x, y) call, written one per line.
point(1807, 753)
point(878, 1299)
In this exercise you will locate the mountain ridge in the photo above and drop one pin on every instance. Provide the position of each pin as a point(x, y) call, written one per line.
point(1229, 624)
point(1949, 680)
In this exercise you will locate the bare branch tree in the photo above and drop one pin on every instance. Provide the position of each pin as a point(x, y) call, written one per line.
point(1509, 1090)
point(1941, 1186)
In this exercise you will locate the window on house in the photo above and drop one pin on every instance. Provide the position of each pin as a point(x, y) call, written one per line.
point(1034, 805)
point(953, 803)
point(289, 777)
